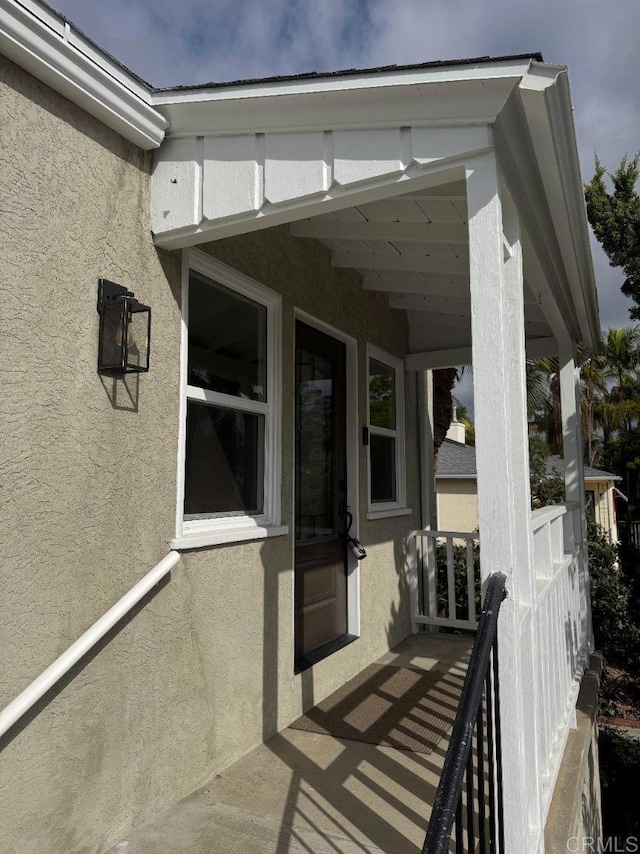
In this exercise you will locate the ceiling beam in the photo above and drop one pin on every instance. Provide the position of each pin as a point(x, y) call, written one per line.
point(449, 305)
point(433, 360)
point(434, 285)
point(398, 232)
point(402, 263)
point(437, 318)
point(438, 359)
point(424, 197)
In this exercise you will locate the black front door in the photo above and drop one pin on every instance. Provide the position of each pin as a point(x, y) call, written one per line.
point(321, 489)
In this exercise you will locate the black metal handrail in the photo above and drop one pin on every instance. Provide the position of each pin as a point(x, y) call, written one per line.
point(479, 713)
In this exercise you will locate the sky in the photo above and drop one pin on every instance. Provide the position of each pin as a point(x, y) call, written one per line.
point(171, 43)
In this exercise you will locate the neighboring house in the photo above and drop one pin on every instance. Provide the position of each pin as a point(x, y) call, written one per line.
point(457, 489)
point(310, 247)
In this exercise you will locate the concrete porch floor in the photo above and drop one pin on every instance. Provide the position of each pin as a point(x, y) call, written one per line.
point(304, 792)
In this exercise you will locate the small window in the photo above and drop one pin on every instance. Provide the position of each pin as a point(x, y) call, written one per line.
point(386, 433)
point(231, 483)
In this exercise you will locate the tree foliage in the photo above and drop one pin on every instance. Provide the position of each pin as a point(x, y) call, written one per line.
point(615, 219)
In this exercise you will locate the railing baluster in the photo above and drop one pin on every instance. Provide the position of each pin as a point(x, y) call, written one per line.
point(471, 582)
point(432, 571)
point(459, 831)
point(470, 810)
point(496, 719)
point(456, 790)
point(491, 763)
point(451, 579)
point(480, 776)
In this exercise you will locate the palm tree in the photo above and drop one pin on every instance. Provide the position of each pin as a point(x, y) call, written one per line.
point(543, 400)
point(621, 351)
point(594, 406)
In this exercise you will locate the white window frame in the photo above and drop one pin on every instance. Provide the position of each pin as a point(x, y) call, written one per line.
point(381, 510)
point(217, 529)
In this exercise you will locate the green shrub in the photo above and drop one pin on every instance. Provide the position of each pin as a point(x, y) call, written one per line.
point(615, 631)
point(460, 576)
point(619, 775)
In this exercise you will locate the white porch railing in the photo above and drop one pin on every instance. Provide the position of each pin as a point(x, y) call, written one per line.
point(450, 588)
point(448, 593)
point(562, 626)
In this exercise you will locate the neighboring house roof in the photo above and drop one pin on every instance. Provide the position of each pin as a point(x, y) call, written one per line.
point(458, 460)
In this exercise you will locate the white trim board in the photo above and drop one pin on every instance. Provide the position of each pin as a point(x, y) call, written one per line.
point(399, 506)
point(213, 530)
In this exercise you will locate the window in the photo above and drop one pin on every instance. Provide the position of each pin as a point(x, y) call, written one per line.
point(230, 484)
point(386, 434)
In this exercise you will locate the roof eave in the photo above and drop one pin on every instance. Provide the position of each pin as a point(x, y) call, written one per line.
point(447, 95)
point(44, 44)
point(546, 100)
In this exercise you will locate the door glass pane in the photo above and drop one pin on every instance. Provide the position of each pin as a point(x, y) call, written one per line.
point(382, 395)
point(227, 340)
point(314, 444)
point(383, 468)
point(225, 461)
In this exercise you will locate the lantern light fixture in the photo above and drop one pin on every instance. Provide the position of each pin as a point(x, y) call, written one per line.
point(125, 330)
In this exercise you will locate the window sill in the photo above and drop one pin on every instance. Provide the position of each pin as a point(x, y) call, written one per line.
point(203, 539)
point(388, 514)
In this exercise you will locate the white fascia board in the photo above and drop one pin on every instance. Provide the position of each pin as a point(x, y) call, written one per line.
point(45, 45)
point(366, 80)
point(456, 477)
point(408, 101)
point(592, 479)
point(547, 106)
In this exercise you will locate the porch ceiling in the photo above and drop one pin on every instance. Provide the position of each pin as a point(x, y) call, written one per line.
point(375, 166)
point(415, 248)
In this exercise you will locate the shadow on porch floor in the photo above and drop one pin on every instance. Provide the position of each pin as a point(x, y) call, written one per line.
point(304, 792)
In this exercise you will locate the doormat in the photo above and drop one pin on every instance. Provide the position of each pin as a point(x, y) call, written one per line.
point(399, 707)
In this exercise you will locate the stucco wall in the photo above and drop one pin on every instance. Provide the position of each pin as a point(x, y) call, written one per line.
point(204, 671)
point(457, 504)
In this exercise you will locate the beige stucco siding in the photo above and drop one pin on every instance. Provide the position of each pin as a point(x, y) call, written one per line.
point(457, 504)
point(604, 506)
point(204, 671)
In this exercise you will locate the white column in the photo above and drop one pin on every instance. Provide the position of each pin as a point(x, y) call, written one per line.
point(427, 558)
point(425, 404)
point(570, 395)
point(504, 502)
point(570, 402)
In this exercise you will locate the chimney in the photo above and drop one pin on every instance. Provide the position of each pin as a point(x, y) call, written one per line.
point(456, 431)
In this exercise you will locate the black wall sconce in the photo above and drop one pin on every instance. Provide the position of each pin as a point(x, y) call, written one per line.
point(125, 330)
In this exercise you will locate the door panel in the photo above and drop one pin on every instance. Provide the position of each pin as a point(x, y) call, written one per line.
point(321, 484)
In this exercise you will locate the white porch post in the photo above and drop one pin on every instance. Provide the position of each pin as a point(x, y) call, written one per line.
point(427, 557)
point(570, 402)
point(425, 403)
point(504, 502)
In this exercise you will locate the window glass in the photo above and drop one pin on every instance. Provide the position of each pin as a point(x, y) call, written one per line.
point(227, 341)
point(383, 468)
point(382, 395)
point(590, 504)
point(224, 461)
point(314, 445)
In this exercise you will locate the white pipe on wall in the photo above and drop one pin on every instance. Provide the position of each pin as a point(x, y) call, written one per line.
point(24, 701)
